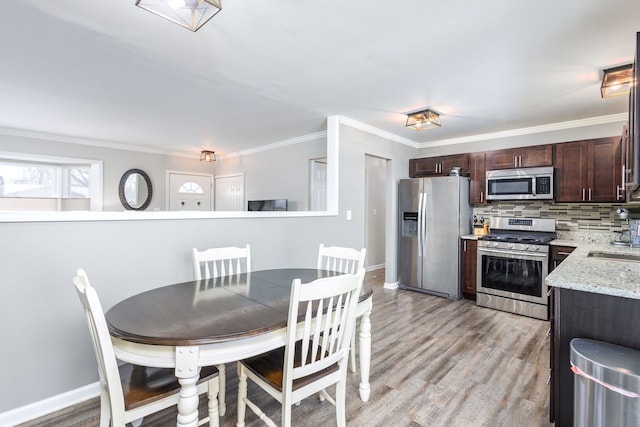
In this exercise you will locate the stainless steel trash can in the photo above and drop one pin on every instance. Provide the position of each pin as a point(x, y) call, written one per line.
point(606, 384)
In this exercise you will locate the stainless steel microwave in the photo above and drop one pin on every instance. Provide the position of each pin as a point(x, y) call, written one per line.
point(520, 184)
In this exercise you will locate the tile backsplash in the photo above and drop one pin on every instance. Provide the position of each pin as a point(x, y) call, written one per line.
point(592, 222)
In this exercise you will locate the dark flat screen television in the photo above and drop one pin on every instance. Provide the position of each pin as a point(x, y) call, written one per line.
point(267, 205)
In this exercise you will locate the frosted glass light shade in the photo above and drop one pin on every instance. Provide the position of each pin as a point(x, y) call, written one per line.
point(191, 14)
point(616, 81)
point(423, 120)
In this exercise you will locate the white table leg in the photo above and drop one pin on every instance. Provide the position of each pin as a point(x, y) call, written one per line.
point(188, 402)
point(365, 355)
point(188, 374)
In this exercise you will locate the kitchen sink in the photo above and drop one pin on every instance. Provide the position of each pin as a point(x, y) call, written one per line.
point(615, 257)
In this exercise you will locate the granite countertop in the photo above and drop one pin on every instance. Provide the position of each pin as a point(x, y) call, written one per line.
point(469, 237)
point(598, 275)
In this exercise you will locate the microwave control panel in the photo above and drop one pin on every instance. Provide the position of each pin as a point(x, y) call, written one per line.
point(543, 185)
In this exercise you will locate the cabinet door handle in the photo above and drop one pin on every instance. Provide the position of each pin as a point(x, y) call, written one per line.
point(482, 197)
point(465, 246)
point(583, 194)
point(589, 194)
point(549, 332)
point(549, 380)
point(564, 253)
point(618, 192)
point(515, 161)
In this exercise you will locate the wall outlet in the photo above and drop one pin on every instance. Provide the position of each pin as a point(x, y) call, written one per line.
point(348, 215)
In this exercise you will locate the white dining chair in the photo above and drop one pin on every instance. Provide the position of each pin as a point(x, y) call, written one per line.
point(344, 260)
point(128, 393)
point(316, 352)
point(224, 261)
point(217, 262)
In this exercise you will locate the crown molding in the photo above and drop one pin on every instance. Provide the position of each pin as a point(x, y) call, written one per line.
point(593, 121)
point(280, 144)
point(375, 131)
point(46, 136)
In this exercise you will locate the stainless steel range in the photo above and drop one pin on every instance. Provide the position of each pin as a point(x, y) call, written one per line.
point(513, 261)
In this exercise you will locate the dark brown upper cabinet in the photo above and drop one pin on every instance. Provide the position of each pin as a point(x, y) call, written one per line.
point(438, 166)
point(523, 157)
point(589, 171)
point(478, 183)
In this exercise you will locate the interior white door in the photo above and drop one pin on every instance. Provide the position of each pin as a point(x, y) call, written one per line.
point(230, 192)
point(318, 185)
point(189, 192)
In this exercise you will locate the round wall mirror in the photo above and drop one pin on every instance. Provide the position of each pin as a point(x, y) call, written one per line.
point(135, 190)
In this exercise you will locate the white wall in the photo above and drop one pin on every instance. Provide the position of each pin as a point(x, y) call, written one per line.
point(375, 210)
point(280, 173)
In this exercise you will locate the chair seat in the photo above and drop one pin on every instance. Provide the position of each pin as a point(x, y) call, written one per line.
point(142, 385)
point(270, 367)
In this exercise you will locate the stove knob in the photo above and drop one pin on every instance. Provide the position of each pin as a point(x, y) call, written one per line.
point(525, 248)
point(536, 248)
point(495, 244)
point(511, 246)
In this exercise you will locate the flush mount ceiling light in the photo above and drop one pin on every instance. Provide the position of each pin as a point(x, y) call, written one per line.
point(191, 14)
point(423, 120)
point(207, 156)
point(616, 81)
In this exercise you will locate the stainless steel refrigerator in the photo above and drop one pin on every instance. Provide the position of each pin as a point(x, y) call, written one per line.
point(433, 214)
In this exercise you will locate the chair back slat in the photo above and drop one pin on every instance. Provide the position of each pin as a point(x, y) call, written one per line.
point(329, 309)
point(343, 260)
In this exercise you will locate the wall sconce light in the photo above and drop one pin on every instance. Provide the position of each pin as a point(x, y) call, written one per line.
point(190, 14)
point(423, 120)
point(616, 81)
point(207, 156)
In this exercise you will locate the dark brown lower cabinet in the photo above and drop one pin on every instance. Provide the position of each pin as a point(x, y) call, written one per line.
point(558, 254)
point(578, 314)
point(469, 251)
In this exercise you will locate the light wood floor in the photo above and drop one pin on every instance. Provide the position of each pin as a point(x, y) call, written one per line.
point(435, 362)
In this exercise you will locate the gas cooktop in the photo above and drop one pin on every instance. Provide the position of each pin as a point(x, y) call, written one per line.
point(534, 238)
point(533, 231)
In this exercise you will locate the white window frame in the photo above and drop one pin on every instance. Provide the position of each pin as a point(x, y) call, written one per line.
point(95, 172)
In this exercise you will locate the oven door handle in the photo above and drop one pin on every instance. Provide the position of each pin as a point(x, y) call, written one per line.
point(520, 254)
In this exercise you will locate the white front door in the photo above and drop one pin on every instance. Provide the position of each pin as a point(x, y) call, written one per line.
point(189, 192)
point(230, 192)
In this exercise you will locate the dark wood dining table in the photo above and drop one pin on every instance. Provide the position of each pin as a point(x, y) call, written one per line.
point(213, 321)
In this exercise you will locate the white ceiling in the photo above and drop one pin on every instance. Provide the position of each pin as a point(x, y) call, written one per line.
point(263, 71)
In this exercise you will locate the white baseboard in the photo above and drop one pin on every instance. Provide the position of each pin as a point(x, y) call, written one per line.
point(47, 406)
point(393, 285)
point(375, 267)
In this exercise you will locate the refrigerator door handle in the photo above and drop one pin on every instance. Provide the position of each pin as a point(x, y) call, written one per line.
point(423, 220)
point(420, 195)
